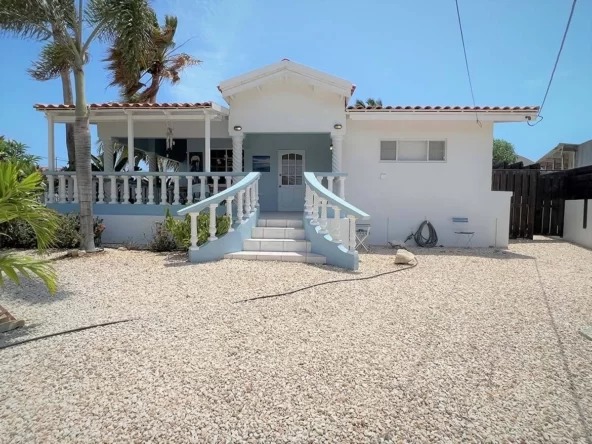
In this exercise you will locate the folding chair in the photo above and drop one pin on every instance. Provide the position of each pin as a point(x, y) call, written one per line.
point(468, 234)
point(362, 232)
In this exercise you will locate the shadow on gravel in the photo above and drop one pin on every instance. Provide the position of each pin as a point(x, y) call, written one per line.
point(33, 291)
point(488, 253)
point(26, 331)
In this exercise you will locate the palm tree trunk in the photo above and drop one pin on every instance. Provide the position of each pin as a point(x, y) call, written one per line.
point(68, 100)
point(83, 163)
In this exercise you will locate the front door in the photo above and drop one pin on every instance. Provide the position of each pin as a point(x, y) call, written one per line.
point(291, 186)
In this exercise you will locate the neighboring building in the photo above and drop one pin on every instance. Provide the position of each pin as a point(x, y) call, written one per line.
point(525, 161)
point(566, 156)
point(402, 164)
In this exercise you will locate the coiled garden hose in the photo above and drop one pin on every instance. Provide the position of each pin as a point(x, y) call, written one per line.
point(426, 242)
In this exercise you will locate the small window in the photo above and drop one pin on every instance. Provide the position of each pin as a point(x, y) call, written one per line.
point(437, 150)
point(388, 150)
point(412, 150)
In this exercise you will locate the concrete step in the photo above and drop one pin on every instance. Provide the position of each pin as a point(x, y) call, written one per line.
point(280, 223)
point(289, 245)
point(277, 233)
point(309, 258)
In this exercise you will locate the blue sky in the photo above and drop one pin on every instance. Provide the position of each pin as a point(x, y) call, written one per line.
point(404, 52)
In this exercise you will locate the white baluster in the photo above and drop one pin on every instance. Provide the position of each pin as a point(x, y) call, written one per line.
point(352, 233)
point(163, 190)
point(239, 207)
point(330, 183)
point(189, 188)
point(342, 187)
point(101, 190)
point(139, 190)
point(308, 202)
point(213, 222)
point(248, 202)
point(228, 181)
point(315, 209)
point(253, 197)
point(62, 188)
point(50, 189)
point(150, 190)
point(216, 178)
point(320, 179)
point(229, 213)
point(335, 224)
point(126, 194)
point(70, 180)
point(113, 195)
point(176, 191)
point(75, 189)
point(257, 191)
point(202, 187)
point(323, 222)
point(193, 217)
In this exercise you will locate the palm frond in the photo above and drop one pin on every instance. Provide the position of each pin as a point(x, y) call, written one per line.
point(54, 58)
point(10, 264)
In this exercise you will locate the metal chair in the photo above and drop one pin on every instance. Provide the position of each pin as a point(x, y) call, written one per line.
point(362, 233)
point(468, 234)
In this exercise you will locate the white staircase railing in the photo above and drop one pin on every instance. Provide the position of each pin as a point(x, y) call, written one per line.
point(245, 194)
point(318, 199)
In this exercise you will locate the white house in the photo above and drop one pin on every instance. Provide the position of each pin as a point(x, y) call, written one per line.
point(400, 165)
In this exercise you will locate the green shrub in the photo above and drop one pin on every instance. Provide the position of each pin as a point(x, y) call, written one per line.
point(180, 230)
point(18, 234)
point(162, 240)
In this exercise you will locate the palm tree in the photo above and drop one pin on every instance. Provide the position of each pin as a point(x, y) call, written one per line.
point(41, 71)
point(120, 161)
point(130, 22)
point(160, 62)
point(370, 102)
point(20, 199)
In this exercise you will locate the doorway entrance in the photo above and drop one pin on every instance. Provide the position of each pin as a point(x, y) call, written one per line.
point(291, 187)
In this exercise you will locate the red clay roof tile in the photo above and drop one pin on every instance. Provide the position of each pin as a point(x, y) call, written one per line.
point(195, 105)
point(443, 108)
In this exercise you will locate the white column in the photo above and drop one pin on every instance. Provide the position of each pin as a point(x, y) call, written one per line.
point(228, 181)
point(138, 190)
point(337, 140)
point(248, 202)
point(163, 190)
point(150, 190)
point(207, 152)
point(315, 209)
point(189, 189)
point(215, 178)
point(130, 141)
point(107, 155)
point(352, 233)
point(62, 188)
point(237, 153)
point(126, 195)
point(101, 190)
point(342, 187)
point(75, 189)
point(152, 162)
point(330, 183)
point(50, 144)
point(202, 188)
point(229, 213)
point(176, 191)
point(239, 207)
point(51, 189)
point(113, 196)
point(213, 222)
point(323, 222)
point(253, 196)
point(308, 202)
point(335, 229)
point(193, 217)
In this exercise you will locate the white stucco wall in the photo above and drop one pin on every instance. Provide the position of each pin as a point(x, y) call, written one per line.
point(182, 130)
point(573, 223)
point(289, 107)
point(410, 192)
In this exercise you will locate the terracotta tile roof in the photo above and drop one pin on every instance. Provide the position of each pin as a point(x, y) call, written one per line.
point(111, 105)
point(504, 109)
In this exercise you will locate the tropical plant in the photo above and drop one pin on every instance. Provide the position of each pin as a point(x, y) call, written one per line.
point(160, 62)
point(120, 162)
point(369, 102)
point(503, 151)
point(16, 152)
point(180, 230)
point(19, 200)
point(129, 22)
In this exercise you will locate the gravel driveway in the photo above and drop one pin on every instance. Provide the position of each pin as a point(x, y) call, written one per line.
point(471, 345)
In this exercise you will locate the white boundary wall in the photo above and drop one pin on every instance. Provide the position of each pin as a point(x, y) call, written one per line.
point(573, 223)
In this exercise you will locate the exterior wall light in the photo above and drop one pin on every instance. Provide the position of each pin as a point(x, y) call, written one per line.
point(338, 126)
point(331, 148)
point(238, 128)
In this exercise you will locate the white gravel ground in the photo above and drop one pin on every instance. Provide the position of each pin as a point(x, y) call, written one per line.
point(470, 346)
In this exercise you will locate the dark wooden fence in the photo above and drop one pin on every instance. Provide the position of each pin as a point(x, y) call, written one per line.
point(538, 199)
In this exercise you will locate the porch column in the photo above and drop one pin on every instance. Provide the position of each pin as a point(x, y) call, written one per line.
point(237, 153)
point(107, 155)
point(50, 143)
point(207, 153)
point(152, 162)
point(131, 157)
point(337, 141)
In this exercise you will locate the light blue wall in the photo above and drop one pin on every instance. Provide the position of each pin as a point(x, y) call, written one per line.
point(317, 157)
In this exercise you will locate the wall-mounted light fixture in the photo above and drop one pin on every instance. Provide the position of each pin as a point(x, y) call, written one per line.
point(338, 126)
point(331, 148)
point(238, 128)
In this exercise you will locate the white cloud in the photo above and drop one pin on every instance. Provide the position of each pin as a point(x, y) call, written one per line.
point(215, 28)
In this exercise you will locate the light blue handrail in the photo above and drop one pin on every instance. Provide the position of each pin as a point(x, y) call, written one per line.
point(223, 195)
point(315, 185)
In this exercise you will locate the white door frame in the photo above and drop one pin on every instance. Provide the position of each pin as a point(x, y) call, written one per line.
point(298, 189)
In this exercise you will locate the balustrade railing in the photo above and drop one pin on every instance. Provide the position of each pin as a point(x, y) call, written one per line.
point(334, 182)
point(171, 188)
point(318, 199)
point(244, 194)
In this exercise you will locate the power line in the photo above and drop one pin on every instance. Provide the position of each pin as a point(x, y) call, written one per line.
point(462, 37)
point(573, 7)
